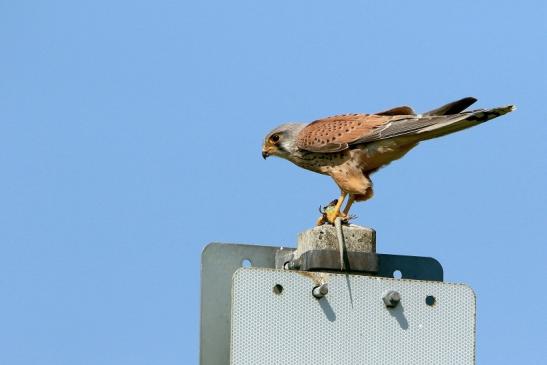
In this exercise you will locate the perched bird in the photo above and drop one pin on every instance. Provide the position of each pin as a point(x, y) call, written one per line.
point(351, 147)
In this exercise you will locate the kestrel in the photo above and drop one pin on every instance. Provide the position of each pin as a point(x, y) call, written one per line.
point(351, 147)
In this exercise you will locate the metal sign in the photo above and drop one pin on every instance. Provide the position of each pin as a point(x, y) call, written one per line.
point(221, 261)
point(276, 319)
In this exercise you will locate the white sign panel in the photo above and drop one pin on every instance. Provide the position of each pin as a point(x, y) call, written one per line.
point(276, 320)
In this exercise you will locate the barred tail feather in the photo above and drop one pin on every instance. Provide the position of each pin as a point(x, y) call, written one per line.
point(462, 121)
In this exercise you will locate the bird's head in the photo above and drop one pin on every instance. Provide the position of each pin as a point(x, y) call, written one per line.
point(281, 142)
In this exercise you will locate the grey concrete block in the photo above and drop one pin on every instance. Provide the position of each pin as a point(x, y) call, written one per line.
point(357, 239)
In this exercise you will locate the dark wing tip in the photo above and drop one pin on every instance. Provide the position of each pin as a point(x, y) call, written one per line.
point(453, 107)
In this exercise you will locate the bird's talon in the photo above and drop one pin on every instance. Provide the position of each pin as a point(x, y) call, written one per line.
point(330, 217)
point(330, 212)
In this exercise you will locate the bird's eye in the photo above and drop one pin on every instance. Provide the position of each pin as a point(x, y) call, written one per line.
point(274, 138)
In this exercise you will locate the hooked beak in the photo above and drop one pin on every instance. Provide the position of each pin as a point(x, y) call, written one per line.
point(265, 154)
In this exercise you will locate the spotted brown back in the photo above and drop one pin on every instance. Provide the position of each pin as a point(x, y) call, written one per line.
point(335, 133)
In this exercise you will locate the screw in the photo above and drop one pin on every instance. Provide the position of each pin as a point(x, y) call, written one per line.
point(391, 299)
point(320, 291)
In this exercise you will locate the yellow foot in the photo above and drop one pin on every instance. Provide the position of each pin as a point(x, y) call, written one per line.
point(330, 213)
point(331, 216)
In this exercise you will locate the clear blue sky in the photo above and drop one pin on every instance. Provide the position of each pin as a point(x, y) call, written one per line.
point(130, 136)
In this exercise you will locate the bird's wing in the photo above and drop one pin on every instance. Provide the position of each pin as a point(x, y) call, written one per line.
point(420, 128)
point(336, 133)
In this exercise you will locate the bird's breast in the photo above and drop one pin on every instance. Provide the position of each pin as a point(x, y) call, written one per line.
point(322, 163)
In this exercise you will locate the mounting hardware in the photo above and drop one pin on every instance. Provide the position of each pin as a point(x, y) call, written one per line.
point(320, 291)
point(392, 299)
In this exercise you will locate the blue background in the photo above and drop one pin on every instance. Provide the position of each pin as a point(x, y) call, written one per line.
point(130, 137)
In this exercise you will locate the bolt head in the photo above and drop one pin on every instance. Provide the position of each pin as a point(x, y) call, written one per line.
point(391, 299)
point(320, 291)
point(324, 289)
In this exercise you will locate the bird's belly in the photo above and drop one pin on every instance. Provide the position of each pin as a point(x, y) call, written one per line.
point(378, 154)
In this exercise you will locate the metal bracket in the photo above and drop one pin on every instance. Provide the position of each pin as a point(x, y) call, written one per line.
point(329, 260)
point(384, 265)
